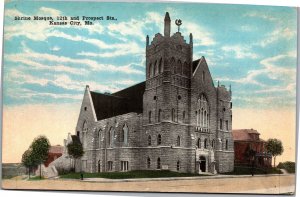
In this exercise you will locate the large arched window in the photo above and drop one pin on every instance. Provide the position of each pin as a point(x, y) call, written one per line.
point(159, 139)
point(178, 141)
point(158, 163)
point(125, 134)
point(202, 119)
point(84, 126)
point(149, 140)
point(111, 136)
point(99, 138)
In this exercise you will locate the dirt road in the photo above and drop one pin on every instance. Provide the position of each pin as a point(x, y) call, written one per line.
point(256, 184)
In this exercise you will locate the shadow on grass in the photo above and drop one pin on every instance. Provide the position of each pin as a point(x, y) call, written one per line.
point(130, 174)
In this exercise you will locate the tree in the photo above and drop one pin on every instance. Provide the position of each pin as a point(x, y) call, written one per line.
point(274, 147)
point(75, 150)
point(28, 160)
point(40, 148)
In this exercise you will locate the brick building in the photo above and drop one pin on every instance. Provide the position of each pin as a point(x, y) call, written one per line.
point(54, 153)
point(176, 120)
point(248, 147)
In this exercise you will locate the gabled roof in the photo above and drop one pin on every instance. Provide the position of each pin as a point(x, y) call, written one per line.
point(121, 102)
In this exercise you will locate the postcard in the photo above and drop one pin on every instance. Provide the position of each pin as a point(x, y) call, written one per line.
point(149, 97)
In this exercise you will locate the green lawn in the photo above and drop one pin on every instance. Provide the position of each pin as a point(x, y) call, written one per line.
point(129, 175)
point(244, 170)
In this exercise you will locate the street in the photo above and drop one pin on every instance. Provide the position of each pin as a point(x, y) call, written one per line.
point(274, 184)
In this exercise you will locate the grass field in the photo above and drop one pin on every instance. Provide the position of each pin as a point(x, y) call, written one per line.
point(129, 175)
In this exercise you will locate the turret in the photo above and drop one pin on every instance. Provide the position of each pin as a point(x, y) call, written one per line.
point(167, 28)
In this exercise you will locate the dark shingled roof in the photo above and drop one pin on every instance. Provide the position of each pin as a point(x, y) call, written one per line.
point(122, 102)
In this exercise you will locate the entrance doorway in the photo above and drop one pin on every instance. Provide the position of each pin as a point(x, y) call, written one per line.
point(202, 166)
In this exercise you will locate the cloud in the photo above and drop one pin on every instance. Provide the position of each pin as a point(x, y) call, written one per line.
point(55, 48)
point(261, 15)
point(240, 52)
point(280, 32)
point(32, 58)
point(201, 36)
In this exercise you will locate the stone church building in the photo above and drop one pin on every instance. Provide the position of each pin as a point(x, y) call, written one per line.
point(175, 120)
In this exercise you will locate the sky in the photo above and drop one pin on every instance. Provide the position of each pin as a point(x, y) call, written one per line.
point(46, 67)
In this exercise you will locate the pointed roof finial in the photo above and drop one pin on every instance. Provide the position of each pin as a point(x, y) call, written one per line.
point(147, 40)
point(167, 17)
point(191, 38)
point(167, 27)
point(218, 83)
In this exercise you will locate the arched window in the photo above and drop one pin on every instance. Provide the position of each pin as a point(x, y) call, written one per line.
point(172, 65)
point(179, 67)
point(155, 68)
point(159, 115)
point(205, 143)
point(160, 67)
point(173, 115)
point(78, 134)
point(111, 136)
point(99, 138)
point(203, 76)
point(178, 141)
point(158, 163)
point(199, 143)
point(185, 69)
point(84, 134)
point(125, 134)
point(150, 70)
point(203, 112)
point(226, 144)
point(149, 140)
point(178, 165)
point(213, 143)
point(221, 124)
point(159, 139)
point(205, 119)
point(149, 117)
point(227, 125)
point(148, 163)
point(183, 116)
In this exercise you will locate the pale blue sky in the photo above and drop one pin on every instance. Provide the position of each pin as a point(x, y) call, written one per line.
point(253, 48)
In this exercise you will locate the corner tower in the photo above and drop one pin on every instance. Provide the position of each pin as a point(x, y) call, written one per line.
point(166, 98)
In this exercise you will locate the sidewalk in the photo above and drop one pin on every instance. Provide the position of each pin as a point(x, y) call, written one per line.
point(218, 176)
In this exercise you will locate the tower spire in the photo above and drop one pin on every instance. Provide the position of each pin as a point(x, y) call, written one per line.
point(167, 28)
